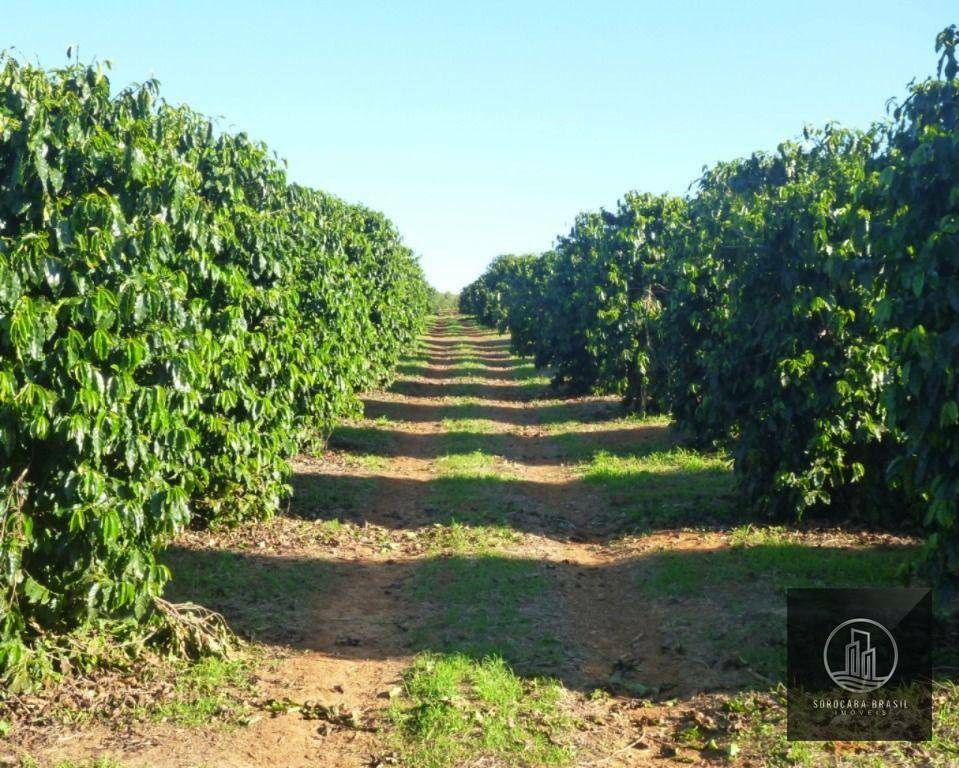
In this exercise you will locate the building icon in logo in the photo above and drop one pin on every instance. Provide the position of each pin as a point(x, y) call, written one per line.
point(860, 658)
point(861, 672)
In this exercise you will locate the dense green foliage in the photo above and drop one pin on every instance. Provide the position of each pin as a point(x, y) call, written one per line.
point(442, 301)
point(589, 308)
point(799, 308)
point(487, 298)
point(795, 361)
point(918, 241)
point(176, 320)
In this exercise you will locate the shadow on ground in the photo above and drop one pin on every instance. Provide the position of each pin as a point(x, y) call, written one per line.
point(578, 510)
point(509, 392)
point(516, 372)
point(550, 412)
point(533, 450)
point(698, 620)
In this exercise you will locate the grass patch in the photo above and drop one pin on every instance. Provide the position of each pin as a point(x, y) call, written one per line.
point(757, 726)
point(369, 462)
point(469, 426)
point(458, 711)
point(316, 497)
point(750, 535)
point(485, 605)
point(459, 538)
point(206, 691)
point(362, 439)
point(619, 439)
point(774, 565)
point(567, 415)
point(664, 487)
point(470, 408)
point(471, 367)
point(474, 489)
point(471, 499)
point(475, 464)
point(470, 436)
point(472, 387)
point(742, 621)
point(529, 372)
point(414, 362)
point(606, 416)
point(414, 366)
point(259, 596)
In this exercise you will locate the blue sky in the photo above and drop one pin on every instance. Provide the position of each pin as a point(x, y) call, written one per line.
point(483, 128)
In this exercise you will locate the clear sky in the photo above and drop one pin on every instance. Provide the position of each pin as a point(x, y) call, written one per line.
point(484, 127)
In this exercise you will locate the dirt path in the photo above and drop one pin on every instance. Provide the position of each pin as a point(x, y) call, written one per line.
point(466, 514)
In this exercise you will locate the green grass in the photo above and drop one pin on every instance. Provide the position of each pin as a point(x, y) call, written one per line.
point(414, 364)
point(469, 495)
point(469, 436)
point(758, 730)
point(772, 566)
point(99, 762)
point(750, 535)
point(460, 711)
point(633, 439)
point(322, 496)
point(529, 372)
point(362, 438)
point(472, 367)
point(602, 417)
point(486, 604)
point(736, 594)
point(206, 692)
point(566, 415)
point(370, 462)
point(417, 365)
point(475, 464)
point(469, 426)
point(475, 489)
point(473, 387)
point(258, 595)
point(467, 366)
point(368, 446)
point(470, 371)
point(637, 439)
point(459, 538)
point(663, 487)
point(471, 408)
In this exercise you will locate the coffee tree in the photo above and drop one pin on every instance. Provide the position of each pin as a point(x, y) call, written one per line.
point(797, 309)
point(176, 321)
point(918, 241)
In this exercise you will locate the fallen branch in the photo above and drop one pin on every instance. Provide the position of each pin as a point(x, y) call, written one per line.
point(194, 630)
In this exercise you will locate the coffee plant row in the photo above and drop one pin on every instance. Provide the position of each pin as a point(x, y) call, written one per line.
point(799, 308)
point(176, 321)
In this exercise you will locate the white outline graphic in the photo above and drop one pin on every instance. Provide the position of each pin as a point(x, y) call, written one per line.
point(859, 674)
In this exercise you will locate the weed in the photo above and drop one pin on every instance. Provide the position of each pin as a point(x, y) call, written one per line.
point(458, 710)
point(661, 487)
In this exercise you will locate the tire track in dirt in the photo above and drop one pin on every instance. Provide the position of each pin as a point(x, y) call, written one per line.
point(592, 602)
